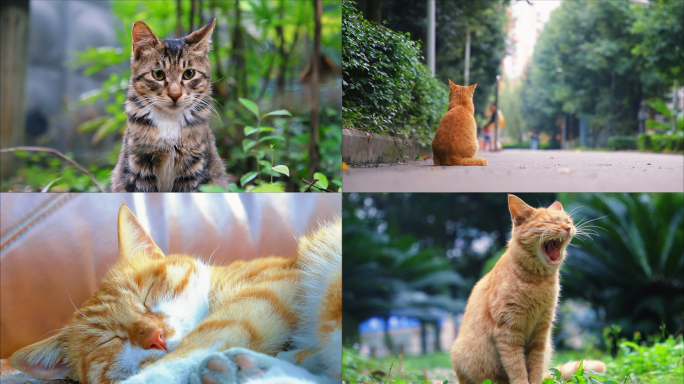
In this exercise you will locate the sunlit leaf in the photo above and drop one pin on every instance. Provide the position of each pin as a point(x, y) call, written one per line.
point(252, 106)
point(272, 187)
point(279, 112)
point(249, 130)
point(247, 177)
point(210, 188)
point(322, 180)
point(282, 169)
point(274, 137)
point(247, 144)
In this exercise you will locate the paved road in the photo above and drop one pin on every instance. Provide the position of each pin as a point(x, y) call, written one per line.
point(528, 171)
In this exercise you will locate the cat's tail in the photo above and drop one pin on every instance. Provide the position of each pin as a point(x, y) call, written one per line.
point(467, 161)
point(570, 368)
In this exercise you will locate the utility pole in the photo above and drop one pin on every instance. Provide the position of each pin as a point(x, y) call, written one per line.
point(431, 35)
point(467, 61)
point(495, 147)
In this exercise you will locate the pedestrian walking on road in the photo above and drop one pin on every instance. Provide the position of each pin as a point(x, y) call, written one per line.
point(534, 138)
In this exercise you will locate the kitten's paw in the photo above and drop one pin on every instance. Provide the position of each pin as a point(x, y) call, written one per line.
point(234, 366)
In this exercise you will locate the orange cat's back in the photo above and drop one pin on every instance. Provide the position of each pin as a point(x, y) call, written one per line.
point(455, 142)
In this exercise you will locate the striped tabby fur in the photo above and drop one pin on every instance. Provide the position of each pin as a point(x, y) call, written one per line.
point(165, 315)
point(168, 146)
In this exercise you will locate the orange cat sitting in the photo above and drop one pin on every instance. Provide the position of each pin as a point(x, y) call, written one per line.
point(505, 335)
point(174, 319)
point(455, 142)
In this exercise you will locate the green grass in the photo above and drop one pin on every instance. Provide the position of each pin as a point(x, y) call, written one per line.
point(658, 361)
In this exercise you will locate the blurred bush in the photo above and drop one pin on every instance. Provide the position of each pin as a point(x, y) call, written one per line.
point(621, 143)
point(386, 88)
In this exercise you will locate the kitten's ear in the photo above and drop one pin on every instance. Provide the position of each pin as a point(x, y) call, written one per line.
point(472, 87)
point(45, 359)
point(519, 210)
point(201, 38)
point(556, 206)
point(143, 38)
point(452, 84)
point(133, 239)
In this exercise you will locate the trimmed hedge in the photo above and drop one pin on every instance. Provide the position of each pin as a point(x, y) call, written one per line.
point(385, 87)
point(661, 143)
point(621, 143)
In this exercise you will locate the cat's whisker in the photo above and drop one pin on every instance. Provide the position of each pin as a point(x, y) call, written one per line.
point(71, 326)
point(79, 311)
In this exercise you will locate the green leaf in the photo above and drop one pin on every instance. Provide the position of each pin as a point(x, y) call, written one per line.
point(266, 129)
point(232, 187)
point(660, 106)
point(247, 144)
point(55, 182)
point(279, 112)
point(548, 380)
point(247, 177)
point(271, 187)
point(556, 373)
point(322, 180)
point(282, 169)
point(580, 369)
point(92, 124)
point(275, 137)
point(249, 130)
point(249, 104)
point(210, 188)
point(21, 154)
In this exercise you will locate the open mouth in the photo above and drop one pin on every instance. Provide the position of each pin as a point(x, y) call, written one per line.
point(552, 250)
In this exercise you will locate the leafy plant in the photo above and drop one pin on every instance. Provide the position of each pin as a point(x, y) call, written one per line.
point(632, 267)
point(386, 89)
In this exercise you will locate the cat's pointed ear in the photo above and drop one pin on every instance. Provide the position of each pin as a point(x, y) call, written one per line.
point(200, 40)
point(472, 87)
point(452, 84)
point(45, 359)
point(519, 210)
point(556, 206)
point(143, 38)
point(133, 239)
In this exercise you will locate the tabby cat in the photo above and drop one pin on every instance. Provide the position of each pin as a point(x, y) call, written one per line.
point(455, 142)
point(168, 146)
point(505, 335)
point(174, 319)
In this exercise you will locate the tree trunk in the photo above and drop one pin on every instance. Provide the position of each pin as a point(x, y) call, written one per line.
point(315, 61)
point(192, 16)
point(179, 15)
point(14, 19)
point(423, 337)
point(374, 11)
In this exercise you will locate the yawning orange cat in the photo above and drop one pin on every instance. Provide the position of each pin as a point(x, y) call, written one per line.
point(176, 320)
point(505, 335)
point(455, 142)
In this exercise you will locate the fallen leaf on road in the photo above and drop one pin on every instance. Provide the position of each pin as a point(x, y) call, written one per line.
point(368, 134)
point(551, 157)
point(425, 157)
point(565, 170)
point(344, 166)
point(648, 164)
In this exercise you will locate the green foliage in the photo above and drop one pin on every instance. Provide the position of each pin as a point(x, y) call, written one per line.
point(593, 59)
point(621, 143)
point(659, 361)
point(672, 143)
point(385, 87)
point(632, 268)
point(661, 45)
point(43, 172)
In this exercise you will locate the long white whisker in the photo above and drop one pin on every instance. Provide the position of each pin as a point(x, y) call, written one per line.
point(79, 311)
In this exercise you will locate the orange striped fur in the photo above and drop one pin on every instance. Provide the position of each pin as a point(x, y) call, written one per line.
point(151, 309)
point(505, 335)
point(455, 142)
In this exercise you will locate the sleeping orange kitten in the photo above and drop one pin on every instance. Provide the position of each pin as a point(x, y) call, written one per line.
point(455, 142)
point(173, 319)
point(505, 335)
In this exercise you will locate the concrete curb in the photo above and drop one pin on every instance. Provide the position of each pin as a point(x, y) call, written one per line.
point(360, 147)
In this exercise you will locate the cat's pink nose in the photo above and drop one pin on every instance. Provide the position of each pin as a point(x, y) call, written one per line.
point(175, 96)
point(568, 229)
point(156, 340)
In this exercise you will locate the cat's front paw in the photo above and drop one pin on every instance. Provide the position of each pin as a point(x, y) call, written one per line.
point(234, 366)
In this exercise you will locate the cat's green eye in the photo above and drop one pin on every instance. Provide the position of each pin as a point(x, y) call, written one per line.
point(158, 74)
point(189, 74)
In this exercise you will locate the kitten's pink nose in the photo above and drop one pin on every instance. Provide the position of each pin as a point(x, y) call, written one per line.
point(568, 229)
point(175, 96)
point(156, 340)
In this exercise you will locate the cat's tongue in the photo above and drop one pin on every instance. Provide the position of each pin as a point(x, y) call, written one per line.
point(554, 254)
